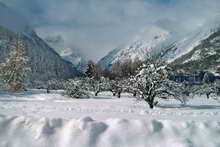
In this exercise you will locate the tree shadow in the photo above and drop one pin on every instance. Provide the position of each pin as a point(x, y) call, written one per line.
point(104, 97)
point(13, 100)
point(22, 94)
point(193, 107)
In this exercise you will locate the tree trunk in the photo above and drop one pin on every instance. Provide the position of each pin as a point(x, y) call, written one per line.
point(48, 91)
point(150, 102)
point(119, 94)
point(151, 106)
point(135, 94)
point(207, 95)
point(97, 92)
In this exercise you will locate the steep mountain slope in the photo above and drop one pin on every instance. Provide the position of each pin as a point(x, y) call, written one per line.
point(72, 55)
point(44, 61)
point(205, 56)
point(152, 41)
point(186, 43)
point(160, 43)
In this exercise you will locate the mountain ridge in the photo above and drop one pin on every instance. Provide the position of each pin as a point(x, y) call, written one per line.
point(168, 47)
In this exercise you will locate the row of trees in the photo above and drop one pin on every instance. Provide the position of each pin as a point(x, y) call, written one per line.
point(118, 70)
point(149, 83)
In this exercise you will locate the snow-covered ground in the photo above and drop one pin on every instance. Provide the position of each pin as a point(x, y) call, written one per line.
point(37, 119)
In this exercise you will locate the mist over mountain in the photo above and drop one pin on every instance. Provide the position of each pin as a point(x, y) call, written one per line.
point(69, 54)
point(99, 26)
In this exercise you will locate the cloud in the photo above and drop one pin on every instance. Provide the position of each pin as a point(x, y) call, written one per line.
point(98, 26)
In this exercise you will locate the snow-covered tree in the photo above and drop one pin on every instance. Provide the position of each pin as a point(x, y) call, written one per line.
point(15, 68)
point(38, 84)
point(152, 82)
point(211, 90)
point(101, 85)
point(116, 87)
point(77, 88)
point(55, 85)
point(179, 91)
point(129, 85)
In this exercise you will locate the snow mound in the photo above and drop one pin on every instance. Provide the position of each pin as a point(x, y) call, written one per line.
point(86, 132)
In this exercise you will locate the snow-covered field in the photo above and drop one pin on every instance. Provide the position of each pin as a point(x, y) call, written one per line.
point(37, 119)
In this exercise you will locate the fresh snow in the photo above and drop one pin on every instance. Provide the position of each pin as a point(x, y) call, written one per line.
point(195, 57)
point(38, 119)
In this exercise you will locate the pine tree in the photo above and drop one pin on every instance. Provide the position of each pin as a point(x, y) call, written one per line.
point(90, 69)
point(14, 70)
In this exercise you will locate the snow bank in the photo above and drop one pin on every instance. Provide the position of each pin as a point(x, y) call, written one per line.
point(30, 132)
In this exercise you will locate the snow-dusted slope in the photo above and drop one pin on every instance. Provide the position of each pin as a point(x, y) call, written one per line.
point(187, 43)
point(152, 40)
point(159, 42)
point(204, 56)
point(44, 61)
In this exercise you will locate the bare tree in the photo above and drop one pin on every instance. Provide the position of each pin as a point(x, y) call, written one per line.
point(102, 85)
point(125, 68)
point(211, 90)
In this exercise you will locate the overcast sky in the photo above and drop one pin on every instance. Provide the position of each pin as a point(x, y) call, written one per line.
point(98, 26)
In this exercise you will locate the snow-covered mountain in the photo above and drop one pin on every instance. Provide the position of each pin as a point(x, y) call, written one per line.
point(72, 55)
point(204, 56)
point(187, 43)
point(44, 61)
point(163, 42)
point(152, 40)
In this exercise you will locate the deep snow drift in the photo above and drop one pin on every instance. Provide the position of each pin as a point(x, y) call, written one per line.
point(37, 119)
